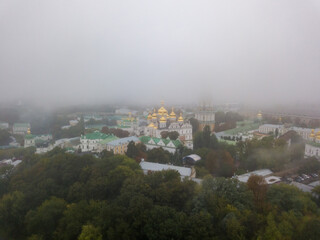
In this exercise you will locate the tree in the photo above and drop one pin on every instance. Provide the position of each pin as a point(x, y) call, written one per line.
point(310, 165)
point(164, 223)
point(74, 217)
point(206, 136)
point(259, 187)
point(44, 220)
point(164, 134)
point(90, 232)
point(195, 124)
point(311, 229)
point(198, 140)
point(220, 163)
point(4, 137)
point(12, 211)
point(115, 131)
point(220, 117)
point(316, 192)
point(204, 139)
point(276, 132)
point(271, 232)
point(287, 198)
point(158, 155)
point(106, 154)
point(173, 135)
point(132, 150)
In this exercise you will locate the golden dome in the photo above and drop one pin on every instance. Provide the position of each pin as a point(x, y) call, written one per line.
point(172, 114)
point(312, 134)
point(149, 116)
point(162, 110)
point(163, 119)
point(28, 131)
point(151, 125)
point(259, 115)
point(154, 115)
point(180, 119)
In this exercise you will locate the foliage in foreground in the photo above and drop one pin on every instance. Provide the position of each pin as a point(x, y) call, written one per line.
point(65, 196)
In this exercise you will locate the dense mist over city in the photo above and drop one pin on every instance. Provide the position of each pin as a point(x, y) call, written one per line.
point(159, 120)
point(56, 53)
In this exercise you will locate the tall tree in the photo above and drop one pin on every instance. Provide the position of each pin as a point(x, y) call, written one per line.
point(258, 186)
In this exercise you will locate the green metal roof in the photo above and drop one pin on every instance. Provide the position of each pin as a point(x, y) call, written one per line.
point(27, 125)
point(110, 138)
point(95, 135)
point(243, 127)
point(29, 136)
point(146, 139)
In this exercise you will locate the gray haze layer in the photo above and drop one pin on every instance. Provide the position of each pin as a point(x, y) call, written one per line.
point(76, 51)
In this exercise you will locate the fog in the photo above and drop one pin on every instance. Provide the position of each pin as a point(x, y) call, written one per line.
point(183, 51)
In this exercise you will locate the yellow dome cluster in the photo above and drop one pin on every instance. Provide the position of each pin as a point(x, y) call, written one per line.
point(315, 135)
point(162, 115)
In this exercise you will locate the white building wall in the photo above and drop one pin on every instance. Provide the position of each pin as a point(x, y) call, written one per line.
point(312, 151)
point(88, 145)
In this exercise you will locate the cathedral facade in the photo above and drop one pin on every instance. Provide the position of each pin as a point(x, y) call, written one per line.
point(161, 121)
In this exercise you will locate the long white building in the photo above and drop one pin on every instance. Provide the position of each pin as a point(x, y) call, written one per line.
point(272, 128)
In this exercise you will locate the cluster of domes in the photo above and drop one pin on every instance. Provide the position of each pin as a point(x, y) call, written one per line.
point(315, 136)
point(162, 115)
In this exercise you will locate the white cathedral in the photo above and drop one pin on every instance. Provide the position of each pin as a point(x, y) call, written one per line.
point(161, 121)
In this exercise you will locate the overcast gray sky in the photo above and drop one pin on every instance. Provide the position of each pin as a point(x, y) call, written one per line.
point(76, 51)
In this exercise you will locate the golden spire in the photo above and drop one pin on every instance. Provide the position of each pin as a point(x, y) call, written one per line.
point(28, 131)
point(180, 119)
point(149, 116)
point(172, 114)
point(154, 115)
point(162, 110)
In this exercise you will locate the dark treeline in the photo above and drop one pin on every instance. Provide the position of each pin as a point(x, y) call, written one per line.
point(66, 196)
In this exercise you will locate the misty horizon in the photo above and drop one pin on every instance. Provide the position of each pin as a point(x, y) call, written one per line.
point(77, 52)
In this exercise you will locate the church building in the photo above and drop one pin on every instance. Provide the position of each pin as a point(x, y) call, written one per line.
point(160, 121)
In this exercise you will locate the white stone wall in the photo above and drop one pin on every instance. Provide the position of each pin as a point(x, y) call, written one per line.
point(312, 151)
point(29, 143)
point(267, 128)
point(89, 145)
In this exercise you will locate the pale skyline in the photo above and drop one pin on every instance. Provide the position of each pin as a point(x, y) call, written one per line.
point(67, 52)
